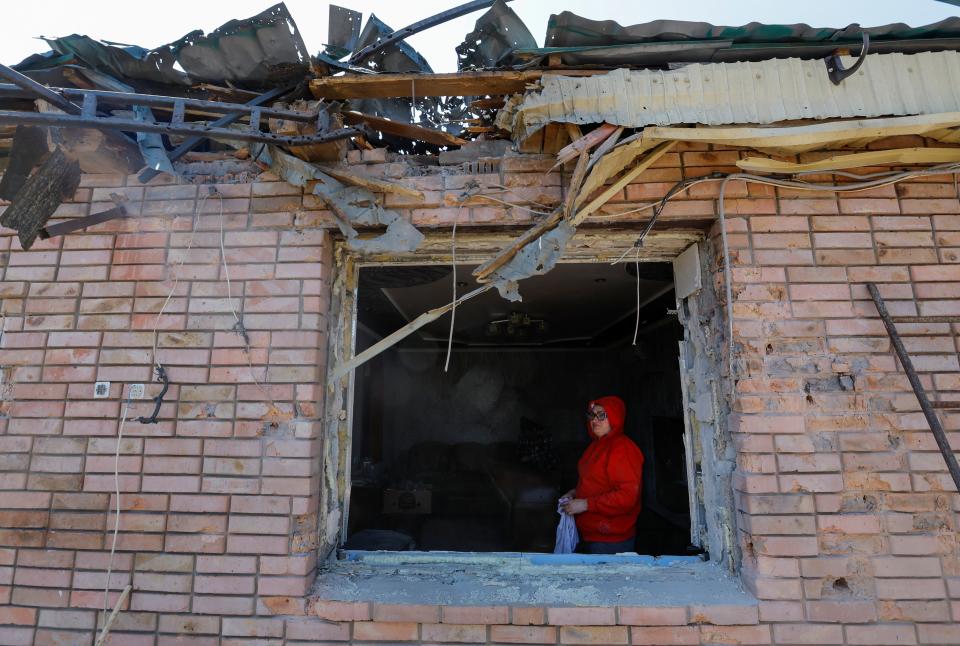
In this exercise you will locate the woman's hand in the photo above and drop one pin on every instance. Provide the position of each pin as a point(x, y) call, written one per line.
point(569, 495)
point(575, 506)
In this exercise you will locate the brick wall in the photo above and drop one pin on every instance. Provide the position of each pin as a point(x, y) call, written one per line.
point(846, 523)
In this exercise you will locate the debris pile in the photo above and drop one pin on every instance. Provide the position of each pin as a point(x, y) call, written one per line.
point(611, 98)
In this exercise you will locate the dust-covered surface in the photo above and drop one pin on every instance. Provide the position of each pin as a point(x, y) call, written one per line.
point(517, 579)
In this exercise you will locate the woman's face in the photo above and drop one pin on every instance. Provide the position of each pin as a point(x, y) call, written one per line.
point(599, 424)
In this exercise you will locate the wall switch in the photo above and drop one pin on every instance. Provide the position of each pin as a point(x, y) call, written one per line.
point(135, 391)
point(101, 390)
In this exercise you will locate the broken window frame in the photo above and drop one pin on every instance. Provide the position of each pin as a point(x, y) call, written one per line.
point(714, 532)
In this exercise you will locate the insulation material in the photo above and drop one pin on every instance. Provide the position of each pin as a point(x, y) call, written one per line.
point(535, 259)
point(747, 92)
point(352, 205)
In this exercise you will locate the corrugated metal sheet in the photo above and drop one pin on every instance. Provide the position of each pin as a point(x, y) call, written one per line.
point(567, 29)
point(745, 93)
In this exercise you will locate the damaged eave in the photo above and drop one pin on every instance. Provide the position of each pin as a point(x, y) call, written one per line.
point(382, 86)
point(761, 92)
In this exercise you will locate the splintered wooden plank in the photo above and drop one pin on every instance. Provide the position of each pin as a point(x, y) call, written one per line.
point(405, 130)
point(372, 183)
point(385, 86)
point(57, 179)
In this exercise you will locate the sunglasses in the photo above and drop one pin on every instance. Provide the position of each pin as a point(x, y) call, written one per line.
point(599, 415)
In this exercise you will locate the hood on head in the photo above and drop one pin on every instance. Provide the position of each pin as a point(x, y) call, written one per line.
point(616, 414)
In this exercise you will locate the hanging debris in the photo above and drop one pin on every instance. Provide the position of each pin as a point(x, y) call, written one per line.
point(56, 180)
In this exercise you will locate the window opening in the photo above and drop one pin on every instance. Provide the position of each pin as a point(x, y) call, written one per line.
point(475, 459)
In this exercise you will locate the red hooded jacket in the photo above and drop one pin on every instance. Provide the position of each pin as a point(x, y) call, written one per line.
point(611, 479)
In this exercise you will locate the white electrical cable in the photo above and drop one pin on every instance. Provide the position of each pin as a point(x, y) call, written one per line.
point(226, 267)
point(197, 209)
point(239, 327)
point(116, 524)
point(453, 310)
point(636, 328)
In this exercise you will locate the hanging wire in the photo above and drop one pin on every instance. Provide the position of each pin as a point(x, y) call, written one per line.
point(116, 523)
point(453, 310)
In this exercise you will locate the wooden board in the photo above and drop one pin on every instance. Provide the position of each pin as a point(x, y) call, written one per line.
point(386, 86)
point(855, 160)
point(406, 130)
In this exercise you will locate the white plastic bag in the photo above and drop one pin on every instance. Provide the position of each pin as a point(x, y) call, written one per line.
point(567, 536)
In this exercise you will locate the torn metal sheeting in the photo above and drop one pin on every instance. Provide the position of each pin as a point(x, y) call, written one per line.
point(854, 160)
point(393, 57)
point(570, 30)
point(653, 54)
point(496, 34)
point(358, 206)
point(535, 259)
point(151, 143)
point(343, 31)
point(760, 92)
point(261, 50)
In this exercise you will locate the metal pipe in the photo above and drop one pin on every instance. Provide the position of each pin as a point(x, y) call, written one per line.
point(925, 405)
point(36, 89)
point(202, 130)
point(417, 27)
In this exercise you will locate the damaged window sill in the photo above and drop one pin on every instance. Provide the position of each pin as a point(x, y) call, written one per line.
point(520, 579)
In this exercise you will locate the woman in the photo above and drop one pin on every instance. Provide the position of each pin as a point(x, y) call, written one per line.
point(606, 502)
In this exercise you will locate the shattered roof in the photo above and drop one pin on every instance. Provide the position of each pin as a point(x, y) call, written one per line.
point(262, 50)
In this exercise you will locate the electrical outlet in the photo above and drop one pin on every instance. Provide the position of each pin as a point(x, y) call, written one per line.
point(101, 390)
point(135, 391)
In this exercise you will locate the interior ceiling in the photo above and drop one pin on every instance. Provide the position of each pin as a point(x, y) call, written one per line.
point(578, 303)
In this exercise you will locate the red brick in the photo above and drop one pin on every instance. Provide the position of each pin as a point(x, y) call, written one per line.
point(406, 613)
point(343, 610)
point(456, 633)
point(219, 605)
point(737, 635)
point(673, 636)
point(384, 631)
point(653, 616)
point(523, 634)
point(606, 635)
point(939, 634)
point(583, 616)
point(475, 614)
point(724, 615)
